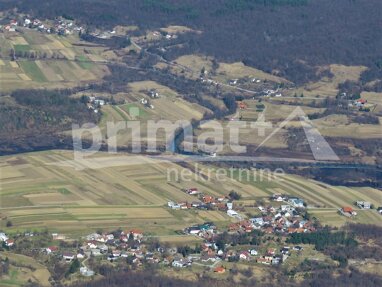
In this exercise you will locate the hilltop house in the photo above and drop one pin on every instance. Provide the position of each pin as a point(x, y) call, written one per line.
point(363, 204)
point(296, 202)
point(347, 211)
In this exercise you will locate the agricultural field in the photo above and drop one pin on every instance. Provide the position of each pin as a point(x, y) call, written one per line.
point(338, 126)
point(42, 190)
point(238, 70)
point(192, 65)
point(271, 111)
point(374, 99)
point(22, 269)
point(328, 86)
point(261, 119)
point(51, 60)
point(35, 193)
point(168, 107)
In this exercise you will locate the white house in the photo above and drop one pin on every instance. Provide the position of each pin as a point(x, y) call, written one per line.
point(257, 221)
point(232, 213)
point(3, 237)
point(180, 263)
point(296, 202)
point(86, 272)
point(68, 256)
point(173, 205)
point(364, 204)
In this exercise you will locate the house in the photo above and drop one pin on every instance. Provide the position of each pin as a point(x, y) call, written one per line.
point(207, 258)
point(181, 263)
point(264, 260)
point(379, 209)
point(9, 242)
point(298, 248)
point(93, 236)
point(276, 260)
point(193, 230)
point(173, 205)
point(286, 207)
point(233, 82)
point(232, 213)
point(277, 197)
point(57, 236)
point(348, 211)
point(208, 199)
point(245, 255)
point(229, 205)
point(257, 221)
point(196, 203)
point(138, 234)
point(99, 102)
point(253, 252)
point(3, 237)
point(68, 256)
point(116, 253)
point(80, 256)
point(363, 204)
point(51, 249)
point(192, 191)
point(86, 272)
point(242, 106)
point(96, 252)
point(285, 250)
point(295, 230)
point(296, 202)
point(361, 101)
point(219, 270)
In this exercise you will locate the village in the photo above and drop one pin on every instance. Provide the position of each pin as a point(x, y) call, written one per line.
point(239, 242)
point(257, 239)
point(59, 26)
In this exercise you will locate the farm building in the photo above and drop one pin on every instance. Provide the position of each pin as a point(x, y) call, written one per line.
point(363, 204)
point(348, 211)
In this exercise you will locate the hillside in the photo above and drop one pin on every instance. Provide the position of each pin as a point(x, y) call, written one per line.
point(287, 37)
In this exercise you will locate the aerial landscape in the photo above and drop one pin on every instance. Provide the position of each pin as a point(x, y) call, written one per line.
point(190, 143)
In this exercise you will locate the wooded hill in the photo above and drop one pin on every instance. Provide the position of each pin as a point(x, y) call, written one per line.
point(288, 37)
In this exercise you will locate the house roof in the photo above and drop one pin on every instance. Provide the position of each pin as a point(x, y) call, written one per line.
point(347, 209)
point(220, 269)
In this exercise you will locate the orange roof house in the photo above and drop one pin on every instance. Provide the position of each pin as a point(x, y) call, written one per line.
point(362, 101)
point(208, 199)
point(347, 209)
point(219, 270)
point(242, 105)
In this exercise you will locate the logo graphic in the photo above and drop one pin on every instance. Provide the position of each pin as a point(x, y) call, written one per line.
point(205, 146)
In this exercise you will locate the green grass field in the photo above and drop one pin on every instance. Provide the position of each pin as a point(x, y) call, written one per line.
point(84, 62)
point(32, 70)
point(22, 48)
point(73, 67)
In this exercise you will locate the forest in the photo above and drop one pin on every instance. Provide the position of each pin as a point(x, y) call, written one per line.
point(290, 38)
point(150, 278)
point(33, 119)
